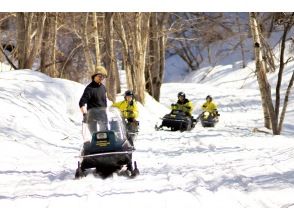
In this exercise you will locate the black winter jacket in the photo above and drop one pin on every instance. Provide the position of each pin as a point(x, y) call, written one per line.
point(94, 96)
point(185, 101)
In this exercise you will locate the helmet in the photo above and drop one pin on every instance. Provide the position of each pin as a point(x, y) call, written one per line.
point(182, 94)
point(129, 93)
point(99, 70)
point(208, 97)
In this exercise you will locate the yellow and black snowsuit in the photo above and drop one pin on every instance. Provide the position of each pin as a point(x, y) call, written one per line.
point(185, 106)
point(129, 110)
point(209, 106)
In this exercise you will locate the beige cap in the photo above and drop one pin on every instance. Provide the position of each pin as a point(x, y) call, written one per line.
point(101, 70)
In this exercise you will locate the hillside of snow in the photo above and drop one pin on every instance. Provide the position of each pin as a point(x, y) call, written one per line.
point(226, 73)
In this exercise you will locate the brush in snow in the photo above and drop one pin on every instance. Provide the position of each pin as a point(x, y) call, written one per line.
point(208, 120)
point(177, 120)
point(107, 146)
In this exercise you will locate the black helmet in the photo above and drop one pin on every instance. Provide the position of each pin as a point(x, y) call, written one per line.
point(129, 93)
point(208, 97)
point(182, 94)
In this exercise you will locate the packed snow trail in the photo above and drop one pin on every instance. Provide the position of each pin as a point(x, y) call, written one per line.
point(226, 166)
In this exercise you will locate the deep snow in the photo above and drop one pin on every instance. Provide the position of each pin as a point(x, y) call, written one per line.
point(229, 166)
point(226, 166)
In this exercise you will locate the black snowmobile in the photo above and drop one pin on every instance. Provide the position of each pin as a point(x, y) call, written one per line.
point(208, 120)
point(107, 145)
point(177, 121)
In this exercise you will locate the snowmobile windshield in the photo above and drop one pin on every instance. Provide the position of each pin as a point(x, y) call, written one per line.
point(105, 119)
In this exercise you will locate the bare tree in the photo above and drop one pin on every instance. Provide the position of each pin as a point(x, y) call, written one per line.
point(96, 37)
point(271, 114)
point(139, 44)
point(241, 37)
point(85, 41)
point(134, 32)
point(54, 41)
point(29, 37)
point(124, 27)
point(126, 47)
point(283, 113)
point(45, 48)
point(7, 43)
point(156, 54)
point(264, 87)
point(110, 59)
point(48, 49)
point(287, 24)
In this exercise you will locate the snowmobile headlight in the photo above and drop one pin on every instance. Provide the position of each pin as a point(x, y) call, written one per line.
point(206, 115)
point(100, 136)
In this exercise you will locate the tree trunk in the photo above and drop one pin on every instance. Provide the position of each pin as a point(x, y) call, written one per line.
point(22, 42)
point(110, 57)
point(280, 73)
point(162, 46)
point(48, 54)
point(85, 40)
point(96, 37)
point(209, 54)
point(156, 54)
point(28, 38)
point(45, 51)
point(140, 41)
point(133, 31)
point(285, 104)
point(54, 41)
point(41, 17)
point(265, 91)
point(118, 88)
point(241, 37)
point(28, 50)
point(129, 70)
point(153, 55)
point(120, 30)
point(287, 27)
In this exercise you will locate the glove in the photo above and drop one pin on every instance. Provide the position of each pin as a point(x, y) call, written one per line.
point(188, 114)
point(85, 118)
point(131, 120)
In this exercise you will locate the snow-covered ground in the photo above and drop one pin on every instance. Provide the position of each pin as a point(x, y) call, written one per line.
point(229, 166)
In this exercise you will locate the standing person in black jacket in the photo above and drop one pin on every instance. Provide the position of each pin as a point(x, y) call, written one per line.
point(95, 96)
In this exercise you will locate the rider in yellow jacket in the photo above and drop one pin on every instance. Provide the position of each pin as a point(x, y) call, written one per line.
point(128, 107)
point(183, 104)
point(210, 106)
